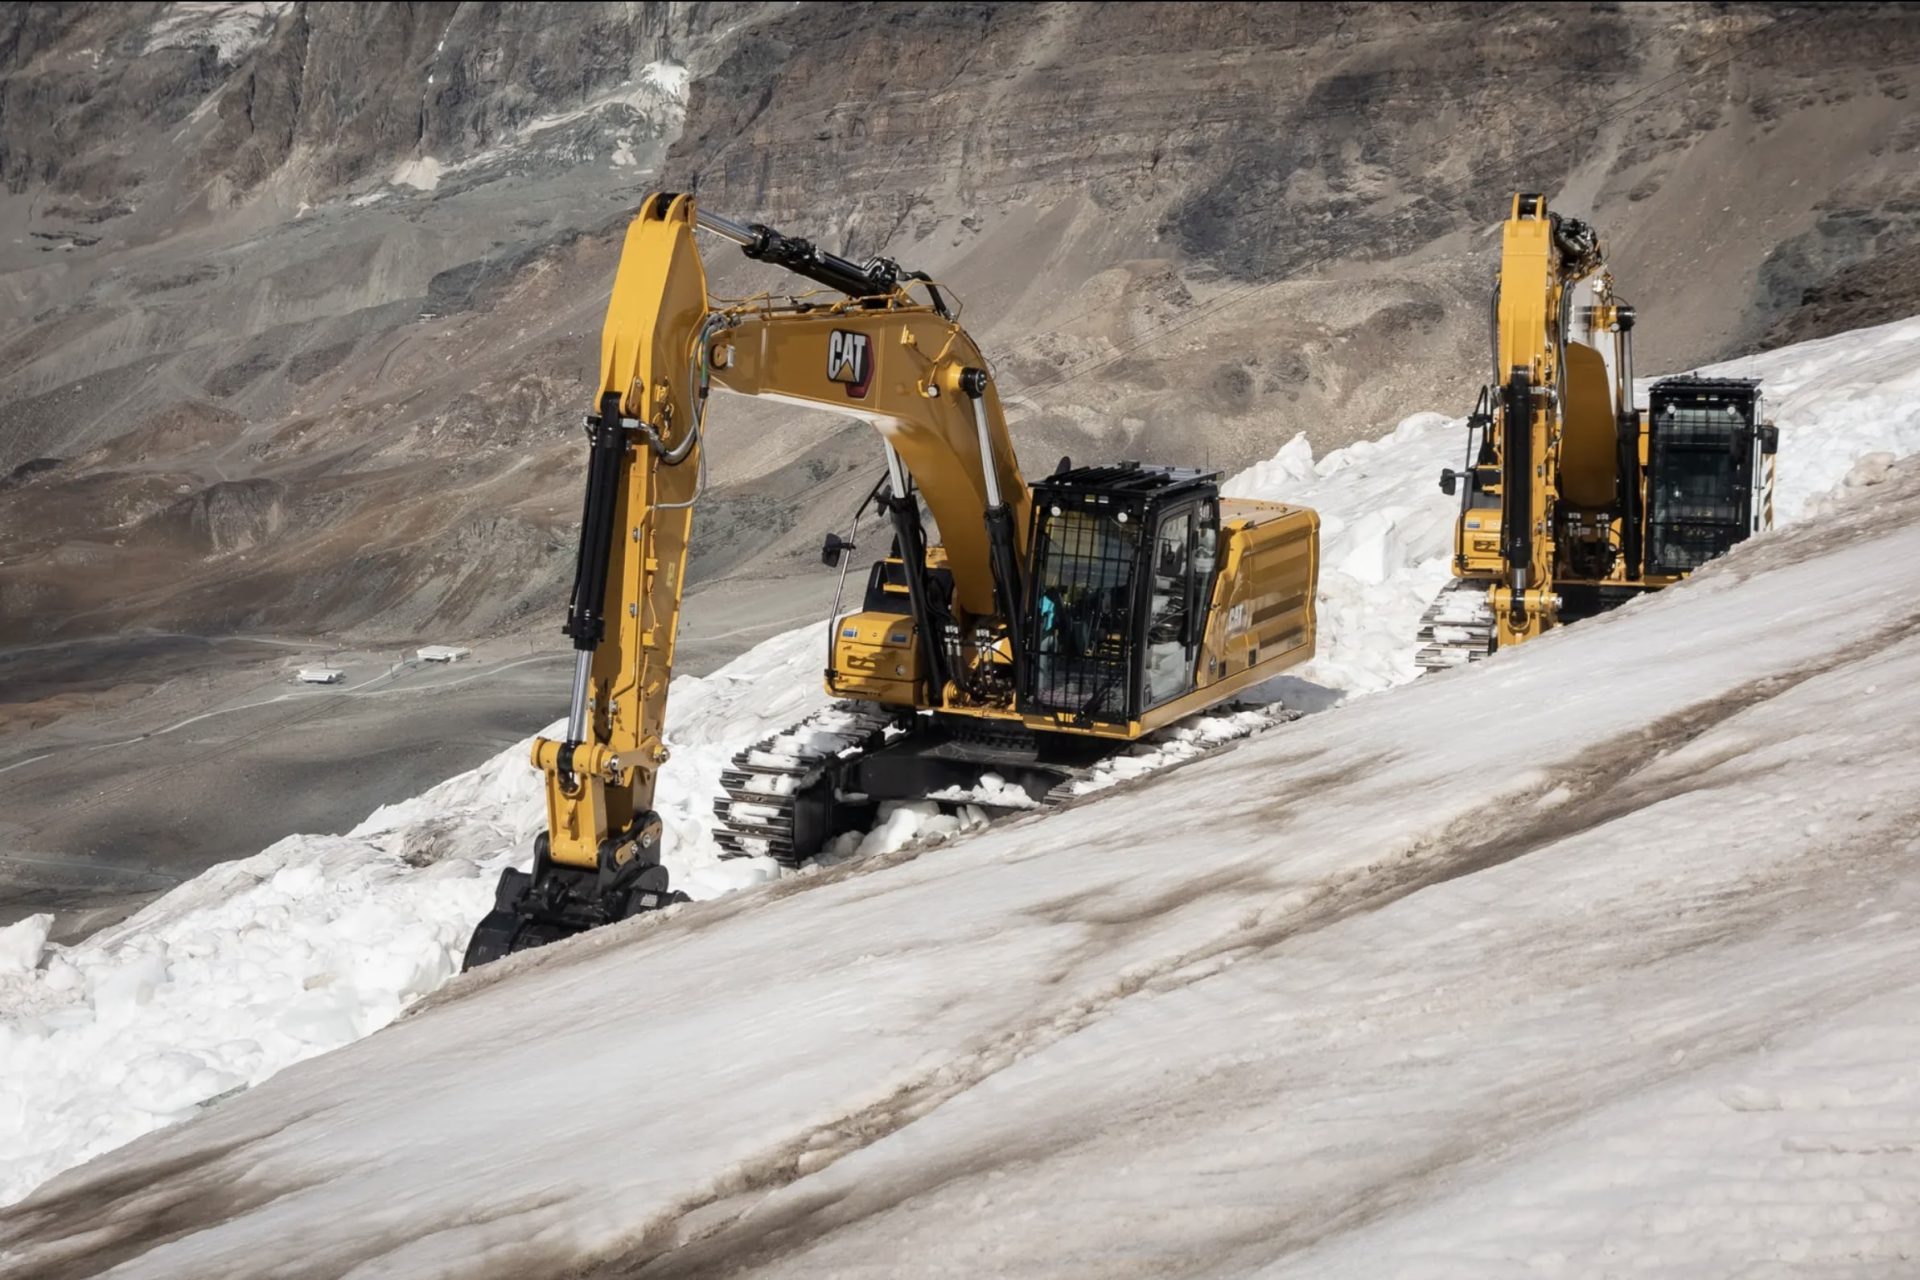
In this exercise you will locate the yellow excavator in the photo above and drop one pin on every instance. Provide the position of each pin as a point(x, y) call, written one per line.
point(1572, 500)
point(1053, 624)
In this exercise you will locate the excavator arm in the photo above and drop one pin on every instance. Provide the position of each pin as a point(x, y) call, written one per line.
point(872, 351)
point(1556, 409)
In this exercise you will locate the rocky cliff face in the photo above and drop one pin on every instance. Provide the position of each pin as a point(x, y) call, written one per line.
point(301, 300)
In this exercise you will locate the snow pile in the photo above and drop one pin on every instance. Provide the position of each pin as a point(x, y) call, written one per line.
point(902, 823)
point(320, 940)
point(23, 943)
point(993, 791)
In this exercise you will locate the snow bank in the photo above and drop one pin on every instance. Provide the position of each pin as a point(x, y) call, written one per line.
point(320, 940)
point(1836, 401)
point(1386, 535)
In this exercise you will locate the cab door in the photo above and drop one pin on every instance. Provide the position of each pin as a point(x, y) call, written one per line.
point(1172, 632)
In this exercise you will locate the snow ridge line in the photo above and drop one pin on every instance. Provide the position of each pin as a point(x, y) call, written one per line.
point(1598, 789)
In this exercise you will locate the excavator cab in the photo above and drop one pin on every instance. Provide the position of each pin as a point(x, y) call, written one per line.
point(1124, 564)
point(1709, 470)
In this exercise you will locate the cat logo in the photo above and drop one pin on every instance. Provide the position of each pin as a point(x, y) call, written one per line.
point(850, 360)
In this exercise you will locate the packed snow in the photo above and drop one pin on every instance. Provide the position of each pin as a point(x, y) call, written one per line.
point(1573, 963)
point(321, 940)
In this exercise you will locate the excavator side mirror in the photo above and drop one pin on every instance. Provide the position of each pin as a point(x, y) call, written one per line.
point(1449, 482)
point(1769, 439)
point(833, 549)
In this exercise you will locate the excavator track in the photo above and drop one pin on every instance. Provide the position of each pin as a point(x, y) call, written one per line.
point(774, 788)
point(778, 800)
point(1456, 629)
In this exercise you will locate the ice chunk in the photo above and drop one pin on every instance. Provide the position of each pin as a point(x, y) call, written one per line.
point(23, 942)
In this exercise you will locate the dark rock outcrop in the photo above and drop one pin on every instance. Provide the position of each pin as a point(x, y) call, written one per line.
point(351, 258)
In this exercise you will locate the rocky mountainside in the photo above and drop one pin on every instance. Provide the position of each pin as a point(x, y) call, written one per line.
point(301, 300)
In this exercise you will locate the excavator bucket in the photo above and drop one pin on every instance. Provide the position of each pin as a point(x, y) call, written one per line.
point(551, 902)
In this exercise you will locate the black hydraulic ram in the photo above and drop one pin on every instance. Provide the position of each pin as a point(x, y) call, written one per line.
point(1631, 480)
point(586, 607)
point(877, 278)
point(1006, 569)
point(1516, 482)
point(902, 506)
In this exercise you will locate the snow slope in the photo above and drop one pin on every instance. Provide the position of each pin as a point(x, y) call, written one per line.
point(319, 940)
point(322, 940)
point(1595, 959)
